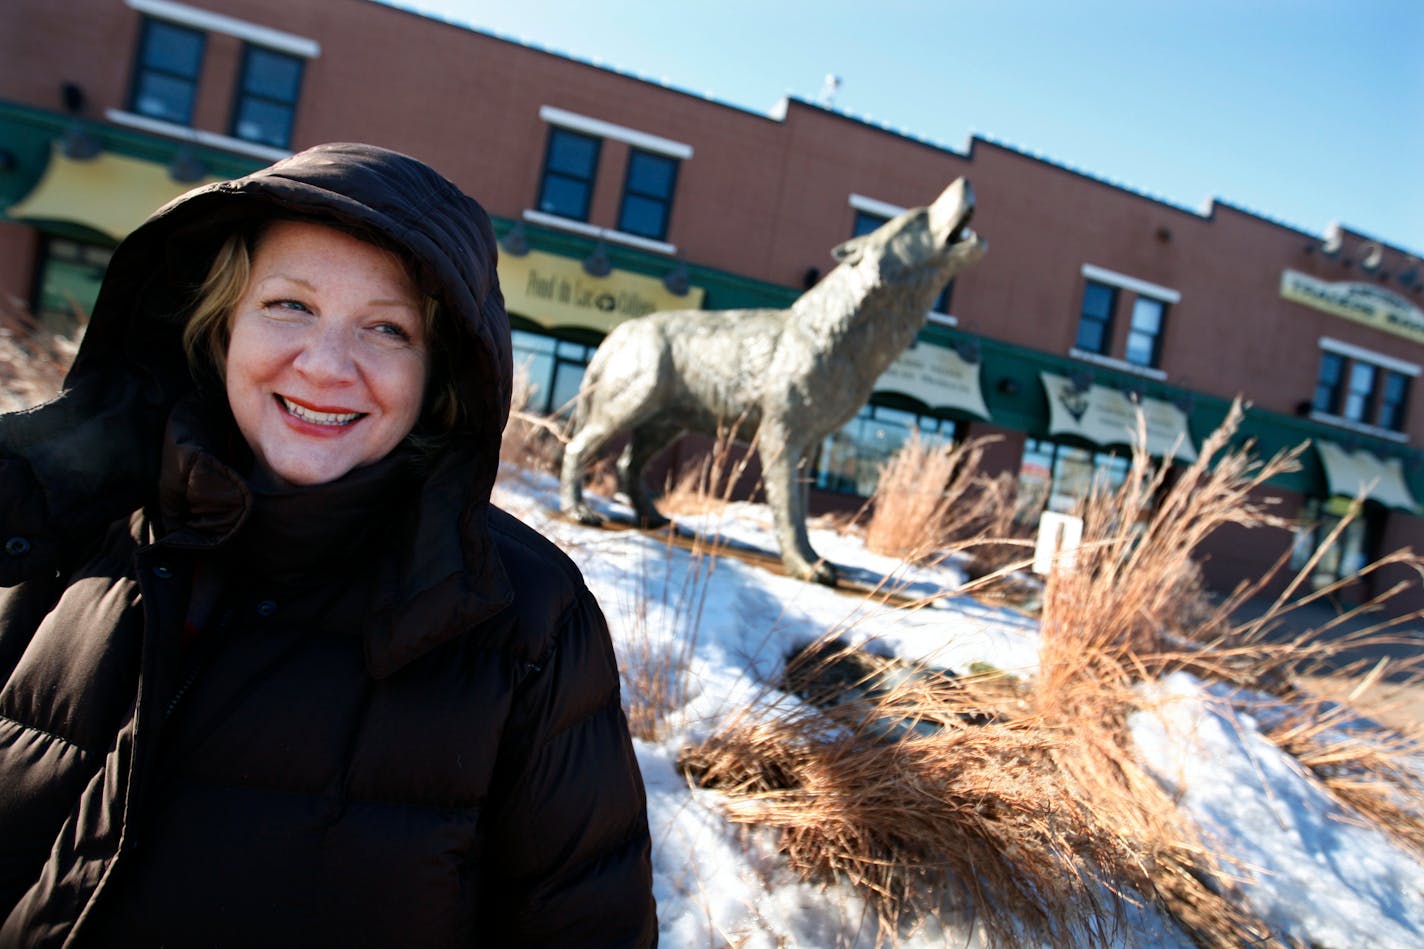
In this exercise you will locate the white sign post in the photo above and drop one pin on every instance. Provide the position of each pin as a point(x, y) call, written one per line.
point(1059, 536)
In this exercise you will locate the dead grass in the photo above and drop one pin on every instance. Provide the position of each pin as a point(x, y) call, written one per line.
point(1026, 810)
point(929, 495)
point(531, 442)
point(33, 359)
point(657, 662)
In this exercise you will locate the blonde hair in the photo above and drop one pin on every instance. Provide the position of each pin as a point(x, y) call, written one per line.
point(208, 332)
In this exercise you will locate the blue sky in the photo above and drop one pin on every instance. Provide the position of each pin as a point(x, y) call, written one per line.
point(1305, 112)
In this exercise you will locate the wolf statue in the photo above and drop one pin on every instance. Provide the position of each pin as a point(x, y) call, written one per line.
point(790, 376)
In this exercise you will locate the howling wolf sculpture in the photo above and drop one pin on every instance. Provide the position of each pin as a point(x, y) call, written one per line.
point(792, 376)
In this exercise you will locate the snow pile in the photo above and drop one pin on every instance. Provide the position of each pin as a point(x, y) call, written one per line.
point(1306, 867)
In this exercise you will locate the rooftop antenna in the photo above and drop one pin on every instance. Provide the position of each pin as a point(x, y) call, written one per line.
point(829, 88)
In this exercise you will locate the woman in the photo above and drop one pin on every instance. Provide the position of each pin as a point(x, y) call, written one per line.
point(275, 670)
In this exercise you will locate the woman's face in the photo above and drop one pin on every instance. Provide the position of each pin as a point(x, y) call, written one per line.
point(326, 367)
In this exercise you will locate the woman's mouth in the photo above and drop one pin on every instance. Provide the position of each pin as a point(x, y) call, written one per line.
point(333, 419)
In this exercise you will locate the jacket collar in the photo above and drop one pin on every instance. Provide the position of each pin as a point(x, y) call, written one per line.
point(441, 575)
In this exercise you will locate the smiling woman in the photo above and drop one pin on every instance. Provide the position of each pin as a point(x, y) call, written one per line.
point(273, 666)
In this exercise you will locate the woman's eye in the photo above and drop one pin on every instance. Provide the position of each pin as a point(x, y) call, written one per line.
point(394, 331)
point(289, 306)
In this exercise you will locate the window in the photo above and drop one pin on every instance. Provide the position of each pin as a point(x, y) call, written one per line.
point(555, 369)
point(1354, 385)
point(850, 459)
point(267, 91)
point(165, 82)
point(1353, 549)
point(1393, 395)
point(569, 169)
point(68, 283)
point(1095, 317)
point(647, 194)
point(1144, 337)
point(1058, 477)
point(866, 221)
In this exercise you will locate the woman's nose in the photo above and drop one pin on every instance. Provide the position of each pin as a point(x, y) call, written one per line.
point(327, 356)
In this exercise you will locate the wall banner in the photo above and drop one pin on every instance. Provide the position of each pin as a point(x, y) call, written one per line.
point(1361, 302)
point(1105, 416)
point(555, 291)
point(937, 376)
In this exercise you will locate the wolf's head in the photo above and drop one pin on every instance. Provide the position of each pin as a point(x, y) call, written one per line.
point(920, 247)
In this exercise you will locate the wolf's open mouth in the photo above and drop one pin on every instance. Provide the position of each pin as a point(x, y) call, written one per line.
point(963, 232)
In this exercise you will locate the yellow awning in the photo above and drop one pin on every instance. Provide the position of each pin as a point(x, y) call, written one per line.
point(1106, 416)
point(112, 194)
point(555, 292)
point(1360, 473)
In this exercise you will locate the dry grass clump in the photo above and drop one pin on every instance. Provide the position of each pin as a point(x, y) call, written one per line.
point(1026, 809)
point(33, 359)
point(928, 495)
point(656, 663)
point(531, 442)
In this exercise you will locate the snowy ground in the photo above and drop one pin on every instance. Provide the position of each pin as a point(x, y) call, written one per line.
point(1309, 870)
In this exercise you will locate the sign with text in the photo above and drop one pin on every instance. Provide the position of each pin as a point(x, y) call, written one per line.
point(555, 291)
point(1362, 302)
point(937, 376)
point(1107, 416)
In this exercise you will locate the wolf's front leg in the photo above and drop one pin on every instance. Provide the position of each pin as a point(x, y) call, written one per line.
point(787, 497)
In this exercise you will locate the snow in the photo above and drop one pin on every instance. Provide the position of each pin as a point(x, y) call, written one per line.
point(1307, 866)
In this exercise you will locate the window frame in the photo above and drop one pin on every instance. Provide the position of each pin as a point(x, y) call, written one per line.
point(933, 429)
point(663, 201)
point(1372, 410)
point(142, 68)
point(242, 94)
point(1154, 345)
point(1106, 330)
point(547, 172)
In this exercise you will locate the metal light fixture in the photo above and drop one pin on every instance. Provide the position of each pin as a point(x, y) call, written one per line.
point(1082, 380)
point(677, 281)
point(186, 167)
point(78, 144)
point(596, 264)
point(968, 350)
point(515, 242)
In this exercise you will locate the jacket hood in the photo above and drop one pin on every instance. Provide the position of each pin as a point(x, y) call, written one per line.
point(152, 280)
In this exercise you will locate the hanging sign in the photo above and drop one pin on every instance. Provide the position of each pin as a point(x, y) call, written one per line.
point(1106, 416)
point(937, 376)
point(1361, 302)
point(556, 291)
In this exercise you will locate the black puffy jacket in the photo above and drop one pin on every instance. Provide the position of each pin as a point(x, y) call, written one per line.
point(397, 720)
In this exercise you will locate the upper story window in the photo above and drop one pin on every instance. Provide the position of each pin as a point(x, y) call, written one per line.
point(1358, 386)
point(647, 194)
point(1144, 337)
point(165, 82)
point(571, 169)
point(869, 215)
point(265, 107)
point(172, 63)
point(570, 165)
point(1095, 317)
point(1103, 293)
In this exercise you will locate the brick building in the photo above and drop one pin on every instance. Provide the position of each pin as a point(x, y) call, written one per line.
point(614, 196)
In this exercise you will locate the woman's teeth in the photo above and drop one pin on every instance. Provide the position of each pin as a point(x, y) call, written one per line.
point(319, 418)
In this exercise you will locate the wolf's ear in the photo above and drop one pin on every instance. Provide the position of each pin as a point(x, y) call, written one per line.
point(850, 251)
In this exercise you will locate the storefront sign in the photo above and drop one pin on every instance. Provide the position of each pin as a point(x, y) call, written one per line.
point(1105, 416)
point(555, 291)
point(1362, 302)
point(938, 377)
point(1359, 473)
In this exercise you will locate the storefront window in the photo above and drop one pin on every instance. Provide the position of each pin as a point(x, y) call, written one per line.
point(68, 283)
point(1058, 477)
point(555, 369)
point(1352, 549)
point(850, 459)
